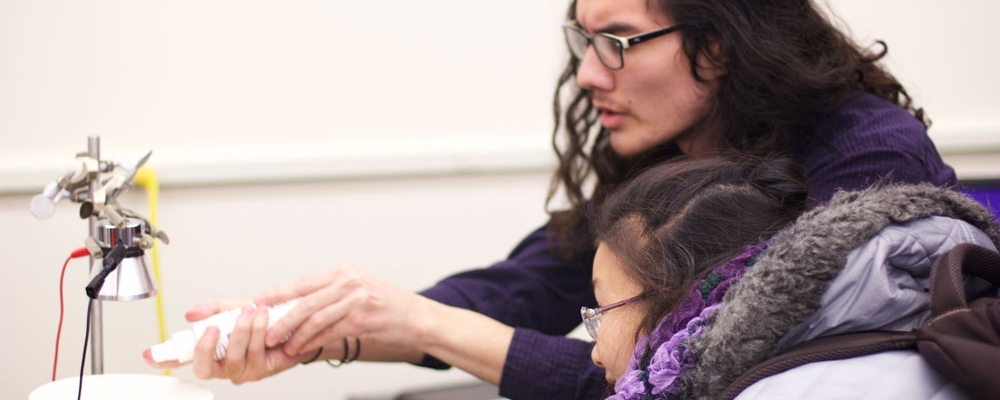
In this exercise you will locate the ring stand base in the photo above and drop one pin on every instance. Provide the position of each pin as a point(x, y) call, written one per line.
point(122, 387)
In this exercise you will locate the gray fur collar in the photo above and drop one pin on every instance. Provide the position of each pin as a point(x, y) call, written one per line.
point(788, 281)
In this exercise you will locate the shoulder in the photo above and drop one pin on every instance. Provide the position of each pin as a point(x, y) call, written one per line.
point(866, 121)
point(862, 141)
point(864, 125)
point(884, 376)
point(867, 115)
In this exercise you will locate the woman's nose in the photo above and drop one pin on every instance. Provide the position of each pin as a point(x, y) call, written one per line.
point(595, 357)
point(591, 74)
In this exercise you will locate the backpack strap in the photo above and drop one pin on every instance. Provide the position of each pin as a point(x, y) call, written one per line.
point(962, 340)
point(947, 296)
point(947, 285)
point(829, 348)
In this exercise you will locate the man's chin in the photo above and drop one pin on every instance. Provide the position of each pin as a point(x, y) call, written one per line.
point(626, 149)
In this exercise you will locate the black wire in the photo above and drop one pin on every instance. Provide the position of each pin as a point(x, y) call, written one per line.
point(83, 362)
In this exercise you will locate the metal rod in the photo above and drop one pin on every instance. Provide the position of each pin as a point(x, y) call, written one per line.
point(97, 316)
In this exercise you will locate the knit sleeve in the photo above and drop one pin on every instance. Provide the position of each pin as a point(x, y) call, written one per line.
point(532, 288)
point(564, 363)
point(866, 141)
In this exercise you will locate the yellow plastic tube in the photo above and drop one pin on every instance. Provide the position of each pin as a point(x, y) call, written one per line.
point(146, 177)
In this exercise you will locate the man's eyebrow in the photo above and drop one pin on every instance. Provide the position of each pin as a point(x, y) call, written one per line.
point(614, 28)
point(618, 28)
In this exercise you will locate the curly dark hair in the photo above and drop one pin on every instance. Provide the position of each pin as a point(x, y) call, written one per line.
point(785, 65)
point(672, 224)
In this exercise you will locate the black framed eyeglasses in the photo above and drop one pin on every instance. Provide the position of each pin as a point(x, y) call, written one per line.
point(592, 316)
point(610, 49)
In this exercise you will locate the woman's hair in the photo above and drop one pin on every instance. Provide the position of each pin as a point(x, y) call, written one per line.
point(784, 64)
point(674, 223)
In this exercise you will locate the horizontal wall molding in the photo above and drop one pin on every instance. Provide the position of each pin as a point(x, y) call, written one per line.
point(975, 154)
point(973, 150)
point(263, 164)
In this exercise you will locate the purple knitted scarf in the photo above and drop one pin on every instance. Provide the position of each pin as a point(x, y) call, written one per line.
point(660, 357)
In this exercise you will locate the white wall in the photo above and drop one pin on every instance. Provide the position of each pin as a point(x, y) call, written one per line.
point(945, 54)
point(410, 138)
point(234, 242)
point(214, 81)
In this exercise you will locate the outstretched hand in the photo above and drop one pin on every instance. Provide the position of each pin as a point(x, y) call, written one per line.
point(344, 302)
point(246, 358)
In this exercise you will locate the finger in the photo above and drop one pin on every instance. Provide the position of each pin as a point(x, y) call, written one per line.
point(323, 321)
point(256, 358)
point(147, 355)
point(329, 338)
point(204, 364)
point(332, 335)
point(297, 288)
point(323, 290)
point(208, 308)
point(236, 350)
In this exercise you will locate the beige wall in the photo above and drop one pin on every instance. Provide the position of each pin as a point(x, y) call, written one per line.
point(409, 138)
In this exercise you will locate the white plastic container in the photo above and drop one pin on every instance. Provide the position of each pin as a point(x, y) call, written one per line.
point(181, 345)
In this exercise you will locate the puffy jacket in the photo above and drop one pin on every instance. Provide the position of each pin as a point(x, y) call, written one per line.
point(859, 263)
point(882, 287)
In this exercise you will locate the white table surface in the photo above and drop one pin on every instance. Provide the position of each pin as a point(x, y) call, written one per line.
point(122, 387)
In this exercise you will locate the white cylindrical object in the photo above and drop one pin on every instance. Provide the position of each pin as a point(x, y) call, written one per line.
point(181, 345)
point(44, 205)
point(122, 387)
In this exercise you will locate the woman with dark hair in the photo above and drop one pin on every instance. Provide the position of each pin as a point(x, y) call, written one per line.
point(700, 279)
point(667, 227)
point(648, 81)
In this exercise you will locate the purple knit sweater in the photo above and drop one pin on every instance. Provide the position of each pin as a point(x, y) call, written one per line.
point(864, 140)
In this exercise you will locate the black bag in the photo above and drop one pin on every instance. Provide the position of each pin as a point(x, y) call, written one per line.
point(961, 341)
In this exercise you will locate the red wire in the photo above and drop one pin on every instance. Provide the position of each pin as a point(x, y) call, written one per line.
point(81, 252)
